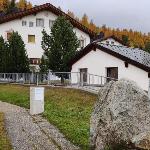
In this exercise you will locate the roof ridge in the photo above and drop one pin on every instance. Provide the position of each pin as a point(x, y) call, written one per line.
point(46, 6)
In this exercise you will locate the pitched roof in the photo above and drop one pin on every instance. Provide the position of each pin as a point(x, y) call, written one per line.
point(134, 56)
point(45, 7)
point(111, 37)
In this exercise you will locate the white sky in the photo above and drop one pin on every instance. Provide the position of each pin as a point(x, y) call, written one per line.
point(133, 14)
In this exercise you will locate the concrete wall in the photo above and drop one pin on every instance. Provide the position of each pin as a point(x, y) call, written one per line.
point(34, 50)
point(97, 62)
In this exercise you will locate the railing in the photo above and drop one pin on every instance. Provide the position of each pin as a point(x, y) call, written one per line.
point(56, 79)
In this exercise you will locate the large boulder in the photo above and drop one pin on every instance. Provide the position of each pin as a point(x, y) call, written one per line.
point(121, 116)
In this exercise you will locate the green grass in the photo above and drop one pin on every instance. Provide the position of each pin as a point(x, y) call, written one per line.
point(4, 141)
point(68, 109)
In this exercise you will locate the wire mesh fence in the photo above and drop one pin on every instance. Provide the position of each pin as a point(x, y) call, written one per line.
point(55, 78)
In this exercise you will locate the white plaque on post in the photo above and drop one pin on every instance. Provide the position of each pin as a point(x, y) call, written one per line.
point(36, 100)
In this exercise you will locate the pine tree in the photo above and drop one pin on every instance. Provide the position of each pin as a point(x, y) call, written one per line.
point(85, 21)
point(20, 62)
point(92, 26)
point(2, 55)
point(147, 46)
point(22, 4)
point(4, 4)
point(29, 5)
point(71, 14)
point(125, 39)
point(12, 6)
point(61, 45)
point(43, 65)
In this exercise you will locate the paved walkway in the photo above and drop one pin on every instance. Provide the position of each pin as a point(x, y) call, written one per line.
point(32, 132)
point(90, 89)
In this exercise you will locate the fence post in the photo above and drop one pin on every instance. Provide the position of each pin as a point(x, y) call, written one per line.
point(37, 81)
point(89, 79)
point(49, 77)
point(17, 77)
point(23, 76)
point(70, 79)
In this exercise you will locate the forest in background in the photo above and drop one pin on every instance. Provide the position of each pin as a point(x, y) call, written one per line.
point(130, 37)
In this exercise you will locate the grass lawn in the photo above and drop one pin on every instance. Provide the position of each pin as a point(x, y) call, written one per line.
point(4, 142)
point(68, 109)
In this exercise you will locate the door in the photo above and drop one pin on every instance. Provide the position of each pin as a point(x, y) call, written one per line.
point(83, 76)
point(112, 73)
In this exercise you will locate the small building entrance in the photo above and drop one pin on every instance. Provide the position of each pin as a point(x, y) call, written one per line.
point(83, 75)
point(112, 73)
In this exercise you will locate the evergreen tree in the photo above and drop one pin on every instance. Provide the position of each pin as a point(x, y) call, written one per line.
point(12, 6)
point(29, 5)
point(22, 4)
point(60, 45)
point(4, 4)
point(85, 20)
point(147, 46)
point(125, 39)
point(3, 60)
point(17, 51)
point(43, 65)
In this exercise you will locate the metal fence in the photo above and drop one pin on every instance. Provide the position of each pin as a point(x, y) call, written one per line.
point(55, 78)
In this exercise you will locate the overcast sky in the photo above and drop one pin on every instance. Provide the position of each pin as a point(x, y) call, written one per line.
point(133, 14)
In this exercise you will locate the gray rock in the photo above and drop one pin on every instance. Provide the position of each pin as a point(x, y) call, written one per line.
point(122, 113)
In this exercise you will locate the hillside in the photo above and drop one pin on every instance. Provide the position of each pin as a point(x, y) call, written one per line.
point(132, 38)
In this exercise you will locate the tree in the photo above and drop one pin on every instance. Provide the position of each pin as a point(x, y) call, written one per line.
point(4, 4)
point(43, 65)
point(125, 39)
point(12, 6)
point(29, 5)
point(3, 55)
point(85, 21)
point(147, 46)
point(60, 45)
point(71, 14)
point(20, 61)
point(22, 4)
point(92, 26)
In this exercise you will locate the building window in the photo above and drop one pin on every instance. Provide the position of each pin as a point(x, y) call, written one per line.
point(9, 35)
point(31, 38)
point(35, 61)
point(51, 23)
point(40, 22)
point(82, 43)
point(107, 42)
point(112, 42)
point(31, 24)
point(24, 23)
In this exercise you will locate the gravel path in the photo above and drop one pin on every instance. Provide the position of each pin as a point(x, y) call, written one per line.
point(32, 132)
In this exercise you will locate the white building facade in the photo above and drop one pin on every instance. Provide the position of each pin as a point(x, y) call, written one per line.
point(30, 24)
point(107, 64)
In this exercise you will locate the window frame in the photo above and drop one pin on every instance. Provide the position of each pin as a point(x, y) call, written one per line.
point(82, 43)
point(31, 41)
point(51, 23)
point(24, 23)
point(38, 24)
point(31, 24)
point(8, 35)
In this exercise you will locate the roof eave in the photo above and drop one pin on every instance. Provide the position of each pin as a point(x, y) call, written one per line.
point(94, 46)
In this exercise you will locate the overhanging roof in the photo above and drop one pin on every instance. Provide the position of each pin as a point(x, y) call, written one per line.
point(134, 56)
point(45, 7)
